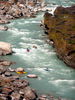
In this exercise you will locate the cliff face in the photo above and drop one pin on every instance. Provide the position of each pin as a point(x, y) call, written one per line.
point(61, 30)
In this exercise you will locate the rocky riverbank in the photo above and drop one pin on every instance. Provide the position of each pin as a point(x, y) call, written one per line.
point(14, 9)
point(12, 87)
point(17, 9)
point(60, 28)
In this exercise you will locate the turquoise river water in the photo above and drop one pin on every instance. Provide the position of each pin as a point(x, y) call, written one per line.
point(59, 80)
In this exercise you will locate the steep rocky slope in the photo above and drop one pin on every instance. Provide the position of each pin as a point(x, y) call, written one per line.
point(61, 30)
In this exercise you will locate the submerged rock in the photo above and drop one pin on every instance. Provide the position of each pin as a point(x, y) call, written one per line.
point(32, 76)
point(5, 48)
point(61, 30)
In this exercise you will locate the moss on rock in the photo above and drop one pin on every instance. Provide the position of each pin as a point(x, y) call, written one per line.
point(61, 29)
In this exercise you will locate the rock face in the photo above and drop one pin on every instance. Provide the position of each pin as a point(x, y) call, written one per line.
point(60, 28)
point(5, 48)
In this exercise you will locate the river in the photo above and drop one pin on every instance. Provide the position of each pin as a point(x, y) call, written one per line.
point(54, 77)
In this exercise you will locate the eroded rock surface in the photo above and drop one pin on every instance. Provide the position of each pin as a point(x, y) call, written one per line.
point(60, 28)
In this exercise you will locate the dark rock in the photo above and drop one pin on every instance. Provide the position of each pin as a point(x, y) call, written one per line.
point(8, 97)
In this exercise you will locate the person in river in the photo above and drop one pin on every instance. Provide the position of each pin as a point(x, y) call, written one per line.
point(46, 69)
point(28, 50)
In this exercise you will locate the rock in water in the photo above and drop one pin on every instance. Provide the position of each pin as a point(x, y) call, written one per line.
point(32, 76)
point(20, 69)
point(3, 28)
point(5, 48)
point(43, 97)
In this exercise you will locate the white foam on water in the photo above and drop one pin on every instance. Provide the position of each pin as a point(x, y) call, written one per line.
point(35, 21)
point(15, 31)
point(30, 22)
point(42, 71)
point(11, 24)
point(27, 56)
point(31, 40)
point(39, 78)
point(73, 87)
point(28, 45)
point(25, 30)
point(19, 50)
point(59, 82)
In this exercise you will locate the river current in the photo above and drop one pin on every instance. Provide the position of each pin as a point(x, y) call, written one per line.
point(54, 77)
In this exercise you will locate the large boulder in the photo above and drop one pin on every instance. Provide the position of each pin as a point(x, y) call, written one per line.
point(5, 48)
point(61, 30)
point(29, 94)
